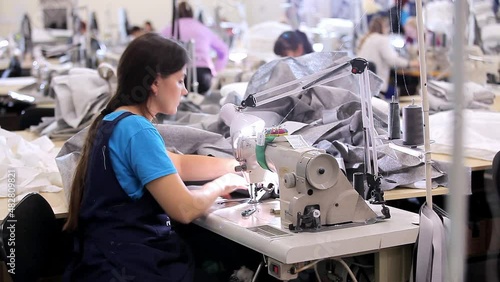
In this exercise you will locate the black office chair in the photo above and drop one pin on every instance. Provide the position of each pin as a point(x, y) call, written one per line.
point(33, 245)
point(33, 116)
point(495, 169)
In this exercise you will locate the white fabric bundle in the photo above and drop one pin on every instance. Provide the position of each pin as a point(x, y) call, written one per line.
point(441, 96)
point(33, 162)
point(480, 140)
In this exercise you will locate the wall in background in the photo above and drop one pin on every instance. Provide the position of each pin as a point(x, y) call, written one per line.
point(11, 13)
point(159, 12)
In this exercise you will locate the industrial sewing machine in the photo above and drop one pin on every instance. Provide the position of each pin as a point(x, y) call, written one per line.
point(314, 192)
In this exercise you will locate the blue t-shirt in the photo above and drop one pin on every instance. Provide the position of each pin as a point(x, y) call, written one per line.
point(138, 154)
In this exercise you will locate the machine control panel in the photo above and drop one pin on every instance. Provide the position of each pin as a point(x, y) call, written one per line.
point(280, 270)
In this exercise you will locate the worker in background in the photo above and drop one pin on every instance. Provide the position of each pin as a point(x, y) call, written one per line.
point(376, 48)
point(134, 32)
point(411, 32)
point(148, 27)
point(205, 41)
point(292, 44)
point(411, 37)
point(80, 31)
point(127, 188)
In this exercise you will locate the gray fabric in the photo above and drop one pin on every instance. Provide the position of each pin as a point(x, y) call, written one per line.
point(431, 259)
point(79, 95)
point(287, 69)
point(338, 104)
point(396, 168)
point(190, 140)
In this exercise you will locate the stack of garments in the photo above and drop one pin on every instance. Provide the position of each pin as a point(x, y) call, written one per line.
point(33, 163)
point(79, 96)
point(441, 96)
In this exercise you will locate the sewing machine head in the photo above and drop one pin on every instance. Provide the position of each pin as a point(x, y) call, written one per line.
point(314, 192)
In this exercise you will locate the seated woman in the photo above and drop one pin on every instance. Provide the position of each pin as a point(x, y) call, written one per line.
point(292, 44)
point(376, 48)
point(127, 188)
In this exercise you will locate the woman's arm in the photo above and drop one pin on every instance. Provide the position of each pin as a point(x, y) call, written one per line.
point(199, 168)
point(185, 205)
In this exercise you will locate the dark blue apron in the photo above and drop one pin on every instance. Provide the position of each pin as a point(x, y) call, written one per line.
point(120, 239)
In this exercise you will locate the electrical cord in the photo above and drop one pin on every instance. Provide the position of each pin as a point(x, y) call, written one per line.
point(254, 279)
point(317, 273)
point(361, 269)
point(314, 265)
point(307, 266)
point(353, 277)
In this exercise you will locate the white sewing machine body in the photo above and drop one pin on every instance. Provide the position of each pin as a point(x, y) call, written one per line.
point(314, 193)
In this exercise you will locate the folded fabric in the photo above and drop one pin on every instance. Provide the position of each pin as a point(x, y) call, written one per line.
point(33, 162)
point(441, 96)
point(76, 93)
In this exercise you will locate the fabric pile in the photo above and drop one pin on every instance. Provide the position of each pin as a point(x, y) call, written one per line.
point(442, 95)
point(31, 163)
point(79, 96)
point(331, 115)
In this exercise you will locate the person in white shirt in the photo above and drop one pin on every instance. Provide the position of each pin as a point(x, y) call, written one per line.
point(376, 48)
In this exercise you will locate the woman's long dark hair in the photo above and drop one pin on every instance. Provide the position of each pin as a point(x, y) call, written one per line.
point(145, 58)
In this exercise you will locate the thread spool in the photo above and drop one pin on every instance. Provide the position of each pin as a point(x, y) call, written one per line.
point(394, 121)
point(413, 126)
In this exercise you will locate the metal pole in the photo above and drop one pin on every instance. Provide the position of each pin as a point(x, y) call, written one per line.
point(193, 66)
point(457, 200)
point(472, 25)
point(425, 103)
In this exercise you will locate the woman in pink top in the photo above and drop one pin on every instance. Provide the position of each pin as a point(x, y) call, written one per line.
point(205, 41)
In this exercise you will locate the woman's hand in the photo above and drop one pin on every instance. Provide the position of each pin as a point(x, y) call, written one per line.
point(184, 205)
point(229, 183)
